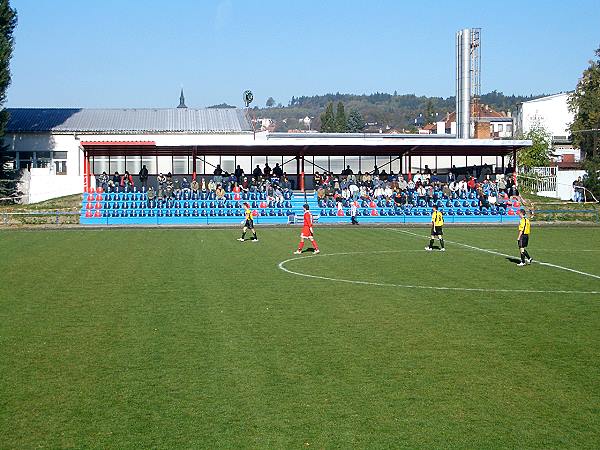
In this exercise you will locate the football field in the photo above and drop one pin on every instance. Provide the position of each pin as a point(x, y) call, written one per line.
point(187, 338)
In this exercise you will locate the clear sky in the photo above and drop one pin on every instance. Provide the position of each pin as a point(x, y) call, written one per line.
point(138, 53)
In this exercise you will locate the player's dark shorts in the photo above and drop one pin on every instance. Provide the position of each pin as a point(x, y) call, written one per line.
point(524, 241)
point(437, 231)
point(249, 224)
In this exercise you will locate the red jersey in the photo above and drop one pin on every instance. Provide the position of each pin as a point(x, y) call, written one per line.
point(308, 219)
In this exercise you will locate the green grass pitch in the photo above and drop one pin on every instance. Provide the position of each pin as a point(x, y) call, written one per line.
point(186, 338)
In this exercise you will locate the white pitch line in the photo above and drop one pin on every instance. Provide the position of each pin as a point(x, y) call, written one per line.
point(281, 266)
point(556, 266)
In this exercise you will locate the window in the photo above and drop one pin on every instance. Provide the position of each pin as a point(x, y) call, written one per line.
point(60, 162)
point(150, 163)
point(321, 164)
point(100, 164)
point(353, 162)
point(210, 162)
point(133, 164)
point(336, 164)
point(367, 163)
point(117, 164)
point(500, 127)
point(42, 159)
point(290, 164)
point(180, 165)
point(228, 163)
point(245, 163)
point(165, 164)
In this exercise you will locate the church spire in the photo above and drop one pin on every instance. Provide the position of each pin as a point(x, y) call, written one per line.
point(182, 100)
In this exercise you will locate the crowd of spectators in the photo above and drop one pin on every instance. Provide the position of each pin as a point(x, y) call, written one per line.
point(421, 189)
point(273, 182)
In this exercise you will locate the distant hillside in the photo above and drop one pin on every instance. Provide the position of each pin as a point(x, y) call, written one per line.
point(387, 110)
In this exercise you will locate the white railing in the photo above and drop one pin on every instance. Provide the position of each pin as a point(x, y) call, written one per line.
point(538, 179)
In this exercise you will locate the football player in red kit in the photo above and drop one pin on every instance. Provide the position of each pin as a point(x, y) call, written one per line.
point(307, 232)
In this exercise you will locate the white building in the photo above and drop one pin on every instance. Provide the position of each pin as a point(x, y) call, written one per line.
point(552, 113)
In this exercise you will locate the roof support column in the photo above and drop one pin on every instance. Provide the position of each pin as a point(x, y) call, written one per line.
point(194, 151)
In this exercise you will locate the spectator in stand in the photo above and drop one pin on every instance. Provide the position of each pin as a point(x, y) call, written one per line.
point(176, 188)
point(452, 174)
point(375, 170)
point(212, 186)
point(492, 199)
point(383, 175)
point(277, 170)
point(239, 173)
point(185, 185)
point(285, 183)
point(143, 176)
point(446, 192)
point(501, 183)
point(195, 186)
point(126, 181)
point(402, 184)
point(218, 173)
point(278, 194)
point(354, 190)
point(220, 192)
point(257, 173)
point(161, 180)
point(417, 177)
point(267, 171)
point(317, 178)
point(411, 185)
point(471, 183)
point(161, 191)
point(151, 197)
point(245, 184)
point(421, 192)
point(115, 181)
point(103, 180)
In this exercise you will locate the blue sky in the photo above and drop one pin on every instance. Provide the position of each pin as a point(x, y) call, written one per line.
point(138, 53)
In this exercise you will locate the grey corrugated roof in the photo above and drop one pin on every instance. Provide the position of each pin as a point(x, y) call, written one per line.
point(175, 120)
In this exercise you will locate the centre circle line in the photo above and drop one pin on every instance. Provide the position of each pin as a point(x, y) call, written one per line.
point(282, 267)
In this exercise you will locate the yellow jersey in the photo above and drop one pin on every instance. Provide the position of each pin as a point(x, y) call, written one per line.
point(437, 218)
point(248, 213)
point(525, 225)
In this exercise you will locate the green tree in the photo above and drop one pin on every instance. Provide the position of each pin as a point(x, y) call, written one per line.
point(341, 121)
point(356, 122)
point(270, 102)
point(429, 112)
point(538, 155)
point(584, 102)
point(8, 22)
point(328, 119)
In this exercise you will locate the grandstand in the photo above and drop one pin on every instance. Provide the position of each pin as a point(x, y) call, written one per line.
point(203, 208)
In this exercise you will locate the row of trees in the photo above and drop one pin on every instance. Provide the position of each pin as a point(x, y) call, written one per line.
point(340, 122)
point(8, 22)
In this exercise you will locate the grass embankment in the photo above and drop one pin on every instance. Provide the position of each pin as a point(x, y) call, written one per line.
point(552, 209)
point(70, 203)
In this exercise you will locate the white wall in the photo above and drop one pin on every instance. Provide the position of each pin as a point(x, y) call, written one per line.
point(44, 185)
point(551, 112)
